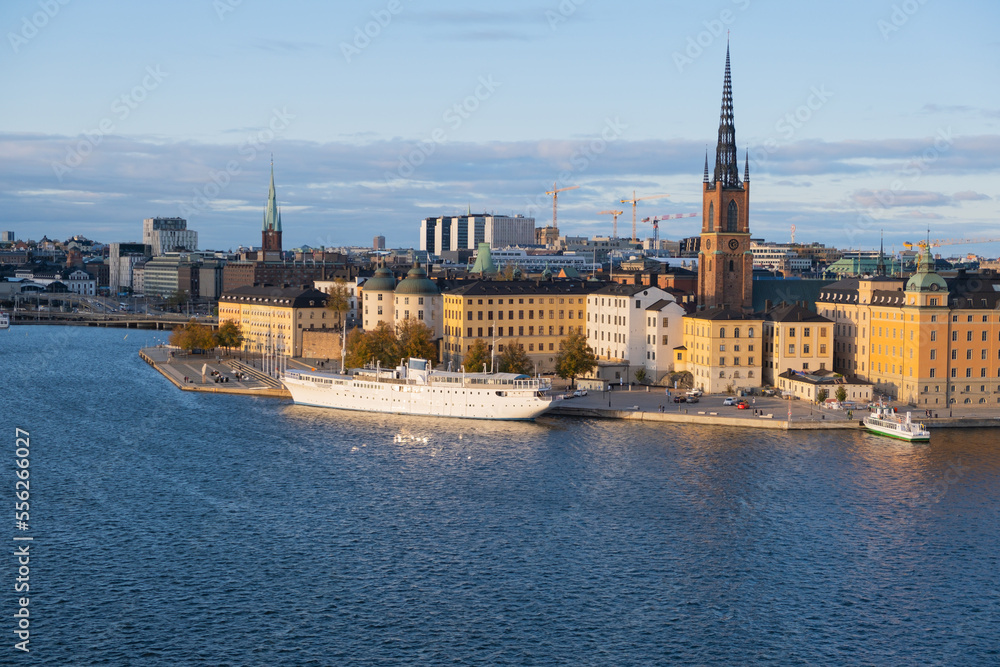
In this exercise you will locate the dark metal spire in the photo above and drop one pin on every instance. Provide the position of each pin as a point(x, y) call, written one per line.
point(880, 267)
point(746, 168)
point(727, 171)
point(706, 164)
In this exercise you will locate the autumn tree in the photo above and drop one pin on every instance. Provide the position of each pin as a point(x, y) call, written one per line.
point(229, 335)
point(192, 336)
point(415, 339)
point(841, 394)
point(575, 357)
point(358, 352)
point(514, 359)
point(477, 357)
point(339, 300)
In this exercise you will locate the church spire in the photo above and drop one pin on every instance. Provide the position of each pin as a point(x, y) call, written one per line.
point(272, 215)
point(746, 168)
point(727, 171)
point(880, 267)
point(706, 164)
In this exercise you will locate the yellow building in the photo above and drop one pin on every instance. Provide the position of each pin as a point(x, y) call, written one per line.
point(536, 315)
point(722, 350)
point(795, 338)
point(272, 319)
point(929, 342)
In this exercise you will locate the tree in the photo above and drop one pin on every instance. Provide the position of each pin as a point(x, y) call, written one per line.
point(640, 375)
point(358, 352)
point(477, 357)
point(415, 340)
point(822, 395)
point(383, 346)
point(841, 394)
point(229, 335)
point(514, 359)
point(177, 299)
point(192, 336)
point(339, 299)
point(575, 357)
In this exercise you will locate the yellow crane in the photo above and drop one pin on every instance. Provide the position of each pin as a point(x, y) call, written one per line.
point(635, 200)
point(614, 227)
point(934, 243)
point(555, 195)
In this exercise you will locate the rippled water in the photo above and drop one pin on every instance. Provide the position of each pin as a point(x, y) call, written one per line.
point(179, 528)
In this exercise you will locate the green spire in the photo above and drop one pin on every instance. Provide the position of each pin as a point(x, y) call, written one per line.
point(272, 214)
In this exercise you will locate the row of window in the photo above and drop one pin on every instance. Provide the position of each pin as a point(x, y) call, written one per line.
point(520, 314)
point(553, 331)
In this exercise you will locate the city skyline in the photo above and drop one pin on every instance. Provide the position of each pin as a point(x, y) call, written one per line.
point(893, 130)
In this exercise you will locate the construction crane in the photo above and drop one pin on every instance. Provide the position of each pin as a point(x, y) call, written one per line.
point(614, 227)
point(655, 220)
point(634, 200)
point(555, 196)
point(940, 242)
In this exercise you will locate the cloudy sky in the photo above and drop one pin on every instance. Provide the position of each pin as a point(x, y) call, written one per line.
point(859, 115)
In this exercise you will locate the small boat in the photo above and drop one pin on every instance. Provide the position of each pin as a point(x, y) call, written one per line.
point(884, 421)
point(4, 320)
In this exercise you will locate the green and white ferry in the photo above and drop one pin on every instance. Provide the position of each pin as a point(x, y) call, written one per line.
point(884, 421)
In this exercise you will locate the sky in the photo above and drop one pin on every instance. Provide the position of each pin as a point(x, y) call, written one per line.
point(861, 117)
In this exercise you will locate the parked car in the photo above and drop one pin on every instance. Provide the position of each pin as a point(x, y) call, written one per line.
point(679, 399)
point(692, 399)
point(580, 392)
point(742, 405)
point(729, 401)
point(695, 392)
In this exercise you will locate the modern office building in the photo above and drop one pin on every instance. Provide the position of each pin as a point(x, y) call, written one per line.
point(122, 258)
point(165, 235)
point(466, 232)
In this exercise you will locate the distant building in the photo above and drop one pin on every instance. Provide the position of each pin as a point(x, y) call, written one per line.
point(378, 243)
point(807, 385)
point(465, 232)
point(122, 258)
point(7, 237)
point(164, 275)
point(165, 235)
point(546, 236)
point(722, 350)
point(778, 258)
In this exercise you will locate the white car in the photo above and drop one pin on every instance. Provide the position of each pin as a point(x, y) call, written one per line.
point(729, 401)
point(580, 392)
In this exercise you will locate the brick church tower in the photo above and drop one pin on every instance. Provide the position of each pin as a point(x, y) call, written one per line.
point(725, 264)
point(271, 232)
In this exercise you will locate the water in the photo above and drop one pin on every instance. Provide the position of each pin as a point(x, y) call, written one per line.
point(179, 528)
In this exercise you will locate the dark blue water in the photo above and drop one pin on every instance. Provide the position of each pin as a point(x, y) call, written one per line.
point(179, 528)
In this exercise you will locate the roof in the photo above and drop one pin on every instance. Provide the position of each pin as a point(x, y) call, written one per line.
point(524, 287)
point(661, 304)
point(617, 289)
point(721, 314)
point(822, 376)
point(417, 282)
point(382, 281)
point(281, 297)
point(793, 313)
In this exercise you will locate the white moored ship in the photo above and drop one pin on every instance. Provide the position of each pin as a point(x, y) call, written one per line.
point(4, 320)
point(415, 389)
point(884, 421)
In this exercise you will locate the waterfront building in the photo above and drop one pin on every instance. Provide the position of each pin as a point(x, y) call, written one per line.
point(806, 385)
point(795, 338)
point(354, 289)
point(635, 326)
point(417, 297)
point(69, 279)
point(273, 319)
point(165, 235)
point(929, 341)
point(534, 314)
point(378, 297)
point(722, 350)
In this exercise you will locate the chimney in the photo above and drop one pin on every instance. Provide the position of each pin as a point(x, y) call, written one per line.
point(767, 305)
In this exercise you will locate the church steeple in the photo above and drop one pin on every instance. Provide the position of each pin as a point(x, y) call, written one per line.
point(706, 165)
point(746, 168)
point(880, 267)
point(271, 232)
point(727, 171)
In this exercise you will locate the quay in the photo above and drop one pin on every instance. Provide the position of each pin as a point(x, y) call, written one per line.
point(176, 365)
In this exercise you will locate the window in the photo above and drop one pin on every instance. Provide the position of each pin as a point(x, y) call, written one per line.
point(722, 348)
point(805, 331)
point(736, 332)
point(791, 349)
point(731, 218)
point(791, 331)
point(933, 355)
point(805, 349)
point(711, 216)
point(968, 335)
point(933, 336)
point(933, 371)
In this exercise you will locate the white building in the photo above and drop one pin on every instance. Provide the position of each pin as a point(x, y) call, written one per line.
point(167, 235)
point(635, 325)
point(122, 258)
point(775, 257)
point(466, 232)
point(354, 287)
point(520, 258)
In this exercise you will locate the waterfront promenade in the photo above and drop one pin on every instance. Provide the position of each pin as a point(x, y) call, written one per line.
point(185, 372)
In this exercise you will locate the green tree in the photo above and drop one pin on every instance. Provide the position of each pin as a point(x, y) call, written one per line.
point(415, 340)
point(477, 357)
point(514, 359)
point(383, 346)
point(841, 394)
point(575, 357)
point(358, 352)
point(640, 375)
point(192, 336)
point(229, 335)
point(177, 299)
point(339, 300)
point(822, 395)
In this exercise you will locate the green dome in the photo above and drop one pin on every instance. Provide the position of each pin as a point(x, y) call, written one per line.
point(925, 280)
point(417, 282)
point(382, 281)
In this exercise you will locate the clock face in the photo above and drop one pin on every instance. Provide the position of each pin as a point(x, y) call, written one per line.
point(708, 244)
point(733, 244)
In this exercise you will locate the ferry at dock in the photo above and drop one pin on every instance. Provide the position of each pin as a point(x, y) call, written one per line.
point(4, 320)
point(414, 388)
point(884, 421)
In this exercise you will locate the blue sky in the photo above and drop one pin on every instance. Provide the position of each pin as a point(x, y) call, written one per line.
point(858, 115)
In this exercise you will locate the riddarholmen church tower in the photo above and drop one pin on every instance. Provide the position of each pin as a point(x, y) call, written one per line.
point(725, 264)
